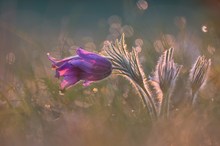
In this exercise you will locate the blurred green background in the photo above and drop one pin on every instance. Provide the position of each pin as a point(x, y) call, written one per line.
point(109, 112)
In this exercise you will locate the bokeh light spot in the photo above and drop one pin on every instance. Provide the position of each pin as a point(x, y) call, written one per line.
point(158, 46)
point(10, 58)
point(142, 4)
point(95, 90)
point(127, 30)
point(138, 49)
point(139, 42)
point(90, 46)
point(114, 20)
point(204, 28)
point(211, 49)
point(180, 22)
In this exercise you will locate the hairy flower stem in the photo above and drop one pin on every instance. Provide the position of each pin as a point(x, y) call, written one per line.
point(165, 106)
point(146, 98)
point(194, 97)
point(151, 109)
point(128, 65)
point(198, 76)
point(149, 99)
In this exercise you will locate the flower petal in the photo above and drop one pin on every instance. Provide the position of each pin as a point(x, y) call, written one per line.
point(66, 69)
point(68, 81)
point(83, 65)
point(58, 63)
point(90, 67)
point(93, 58)
point(94, 77)
point(86, 66)
point(52, 59)
point(82, 52)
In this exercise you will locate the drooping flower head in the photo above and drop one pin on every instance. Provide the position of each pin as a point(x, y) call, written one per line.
point(86, 66)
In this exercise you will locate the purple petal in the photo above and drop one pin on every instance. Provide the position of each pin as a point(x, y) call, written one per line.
point(52, 59)
point(93, 58)
point(89, 67)
point(66, 72)
point(94, 77)
point(82, 52)
point(58, 63)
point(68, 81)
point(83, 65)
point(86, 66)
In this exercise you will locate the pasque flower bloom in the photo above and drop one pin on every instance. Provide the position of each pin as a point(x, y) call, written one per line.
point(86, 66)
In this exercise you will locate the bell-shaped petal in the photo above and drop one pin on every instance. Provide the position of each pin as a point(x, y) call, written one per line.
point(86, 66)
point(68, 81)
point(93, 58)
point(58, 63)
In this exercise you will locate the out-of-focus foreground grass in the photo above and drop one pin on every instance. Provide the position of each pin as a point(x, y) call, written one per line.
point(109, 112)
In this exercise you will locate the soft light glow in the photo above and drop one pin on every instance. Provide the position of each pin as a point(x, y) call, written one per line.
point(139, 42)
point(180, 22)
point(211, 49)
point(90, 46)
point(204, 28)
point(142, 4)
point(138, 48)
point(127, 30)
point(95, 90)
point(158, 46)
point(10, 58)
point(114, 19)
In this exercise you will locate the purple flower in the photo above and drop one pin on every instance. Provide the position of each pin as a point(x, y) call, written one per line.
point(86, 66)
